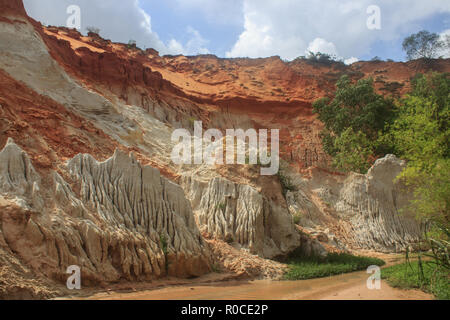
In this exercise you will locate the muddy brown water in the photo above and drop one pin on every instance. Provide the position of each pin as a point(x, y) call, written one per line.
point(351, 286)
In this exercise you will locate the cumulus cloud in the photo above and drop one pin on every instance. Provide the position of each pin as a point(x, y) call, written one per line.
point(195, 45)
point(118, 20)
point(323, 46)
point(284, 27)
point(216, 11)
point(288, 27)
point(351, 60)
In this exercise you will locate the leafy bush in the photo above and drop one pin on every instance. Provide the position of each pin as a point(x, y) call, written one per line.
point(93, 30)
point(407, 276)
point(163, 241)
point(352, 151)
point(353, 121)
point(323, 58)
point(376, 59)
point(297, 217)
point(132, 44)
point(420, 134)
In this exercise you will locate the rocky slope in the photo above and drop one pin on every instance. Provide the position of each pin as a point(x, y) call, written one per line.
point(357, 211)
point(125, 221)
point(86, 176)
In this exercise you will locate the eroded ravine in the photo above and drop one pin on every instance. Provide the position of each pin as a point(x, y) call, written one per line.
point(347, 287)
point(350, 286)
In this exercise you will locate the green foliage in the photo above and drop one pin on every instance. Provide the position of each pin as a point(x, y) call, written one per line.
point(163, 243)
point(361, 125)
point(376, 59)
point(221, 206)
point(323, 58)
point(438, 238)
point(132, 44)
point(352, 151)
point(355, 106)
point(353, 121)
point(420, 134)
point(301, 268)
point(423, 44)
point(297, 218)
point(411, 275)
point(93, 30)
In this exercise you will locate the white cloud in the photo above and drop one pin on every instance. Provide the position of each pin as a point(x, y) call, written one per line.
point(283, 27)
point(216, 11)
point(118, 20)
point(195, 45)
point(288, 27)
point(351, 60)
point(322, 46)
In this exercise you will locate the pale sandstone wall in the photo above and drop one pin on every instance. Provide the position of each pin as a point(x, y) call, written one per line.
point(368, 211)
point(112, 229)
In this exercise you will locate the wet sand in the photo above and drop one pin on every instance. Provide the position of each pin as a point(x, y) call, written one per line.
point(351, 286)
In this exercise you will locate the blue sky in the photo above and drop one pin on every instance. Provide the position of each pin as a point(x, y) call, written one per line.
point(172, 22)
point(255, 28)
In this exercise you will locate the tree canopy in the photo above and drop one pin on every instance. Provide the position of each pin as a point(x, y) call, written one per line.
point(353, 120)
point(423, 44)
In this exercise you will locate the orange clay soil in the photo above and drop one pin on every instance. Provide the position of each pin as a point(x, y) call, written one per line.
point(49, 133)
point(269, 91)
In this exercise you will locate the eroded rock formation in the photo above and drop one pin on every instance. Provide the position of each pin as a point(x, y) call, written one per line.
point(125, 222)
point(238, 213)
point(66, 198)
point(368, 211)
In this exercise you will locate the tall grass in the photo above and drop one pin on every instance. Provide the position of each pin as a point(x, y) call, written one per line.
point(301, 268)
point(419, 275)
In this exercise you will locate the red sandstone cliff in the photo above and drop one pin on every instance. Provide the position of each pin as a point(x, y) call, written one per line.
point(62, 93)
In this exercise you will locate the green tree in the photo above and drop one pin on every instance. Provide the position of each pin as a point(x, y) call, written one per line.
point(132, 44)
point(359, 108)
point(93, 30)
point(323, 58)
point(420, 134)
point(353, 151)
point(423, 44)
